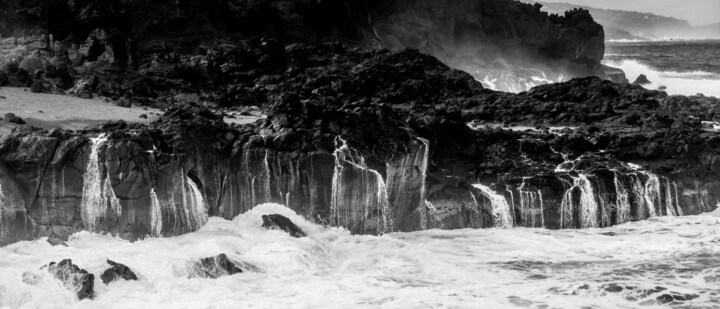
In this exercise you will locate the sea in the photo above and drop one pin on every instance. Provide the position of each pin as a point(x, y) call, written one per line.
point(684, 67)
point(658, 263)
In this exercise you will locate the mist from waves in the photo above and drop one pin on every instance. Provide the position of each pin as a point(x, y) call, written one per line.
point(633, 265)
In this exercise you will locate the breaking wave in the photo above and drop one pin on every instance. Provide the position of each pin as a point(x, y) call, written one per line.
point(682, 83)
point(661, 261)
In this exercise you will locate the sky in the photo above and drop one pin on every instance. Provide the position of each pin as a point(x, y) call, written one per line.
point(697, 12)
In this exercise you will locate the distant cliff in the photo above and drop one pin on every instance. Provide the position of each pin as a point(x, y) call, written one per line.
point(508, 44)
point(629, 24)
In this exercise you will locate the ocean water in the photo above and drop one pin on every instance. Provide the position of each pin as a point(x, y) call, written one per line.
point(661, 262)
point(684, 67)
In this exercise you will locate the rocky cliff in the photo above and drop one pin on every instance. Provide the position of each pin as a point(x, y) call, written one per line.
point(374, 141)
point(508, 45)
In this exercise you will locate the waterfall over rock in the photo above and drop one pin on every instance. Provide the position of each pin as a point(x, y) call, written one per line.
point(502, 214)
point(156, 219)
point(98, 196)
point(531, 205)
point(358, 192)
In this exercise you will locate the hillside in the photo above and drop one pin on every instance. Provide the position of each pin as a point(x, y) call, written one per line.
point(629, 24)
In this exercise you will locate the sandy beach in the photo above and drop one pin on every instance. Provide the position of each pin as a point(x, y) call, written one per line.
point(50, 111)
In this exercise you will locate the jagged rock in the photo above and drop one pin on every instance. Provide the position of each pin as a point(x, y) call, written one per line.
point(73, 278)
point(642, 80)
point(278, 222)
point(117, 271)
point(213, 267)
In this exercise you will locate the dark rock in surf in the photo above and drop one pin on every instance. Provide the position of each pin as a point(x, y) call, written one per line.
point(278, 222)
point(73, 278)
point(642, 80)
point(117, 271)
point(56, 242)
point(213, 267)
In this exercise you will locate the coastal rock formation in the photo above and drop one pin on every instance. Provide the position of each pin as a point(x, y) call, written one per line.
point(100, 47)
point(373, 141)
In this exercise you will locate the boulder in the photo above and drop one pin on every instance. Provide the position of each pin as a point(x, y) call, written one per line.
point(73, 278)
point(37, 87)
point(642, 80)
point(117, 271)
point(4, 79)
point(213, 267)
point(278, 222)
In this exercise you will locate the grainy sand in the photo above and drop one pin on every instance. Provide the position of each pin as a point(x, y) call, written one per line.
point(49, 111)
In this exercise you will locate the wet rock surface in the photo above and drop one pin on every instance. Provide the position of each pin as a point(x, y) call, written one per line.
point(117, 271)
point(282, 223)
point(73, 278)
point(375, 141)
point(214, 267)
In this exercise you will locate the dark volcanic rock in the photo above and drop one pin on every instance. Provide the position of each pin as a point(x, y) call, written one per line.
point(117, 271)
point(278, 222)
point(37, 87)
point(73, 278)
point(642, 80)
point(214, 267)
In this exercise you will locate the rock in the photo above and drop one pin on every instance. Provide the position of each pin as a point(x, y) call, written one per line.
point(642, 80)
point(37, 87)
point(56, 242)
point(143, 116)
point(4, 79)
point(10, 117)
point(123, 102)
point(73, 278)
point(213, 267)
point(117, 271)
point(278, 222)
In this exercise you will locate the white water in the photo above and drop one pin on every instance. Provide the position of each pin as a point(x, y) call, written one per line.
point(685, 83)
point(484, 268)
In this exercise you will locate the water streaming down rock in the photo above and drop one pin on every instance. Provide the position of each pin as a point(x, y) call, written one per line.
point(622, 201)
point(98, 196)
point(652, 194)
point(156, 215)
point(3, 231)
point(359, 199)
point(502, 214)
point(194, 205)
point(531, 205)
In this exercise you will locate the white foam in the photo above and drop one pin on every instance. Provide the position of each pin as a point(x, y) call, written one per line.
point(331, 268)
point(682, 83)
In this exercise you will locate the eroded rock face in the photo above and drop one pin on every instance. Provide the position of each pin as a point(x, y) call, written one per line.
point(373, 141)
point(73, 278)
point(282, 223)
